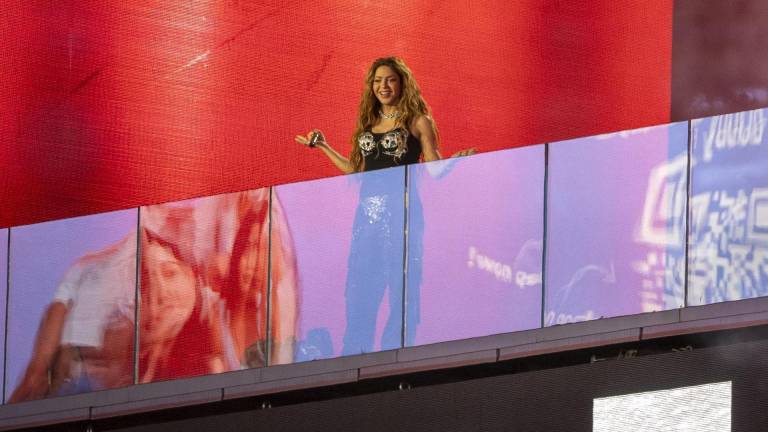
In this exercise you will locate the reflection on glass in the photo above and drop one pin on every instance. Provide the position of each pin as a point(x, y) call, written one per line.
point(728, 250)
point(475, 232)
point(348, 236)
point(71, 314)
point(615, 228)
point(204, 270)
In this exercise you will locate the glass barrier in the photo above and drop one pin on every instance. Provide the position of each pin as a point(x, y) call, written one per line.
point(3, 291)
point(319, 269)
point(616, 224)
point(347, 236)
point(71, 306)
point(475, 231)
point(204, 272)
point(728, 244)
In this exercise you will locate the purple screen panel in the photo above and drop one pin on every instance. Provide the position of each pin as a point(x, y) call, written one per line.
point(79, 274)
point(615, 228)
point(347, 235)
point(475, 232)
point(728, 249)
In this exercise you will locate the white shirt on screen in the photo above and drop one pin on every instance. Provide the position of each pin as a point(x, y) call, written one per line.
point(98, 288)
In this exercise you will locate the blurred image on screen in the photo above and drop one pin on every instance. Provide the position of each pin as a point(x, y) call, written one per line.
point(204, 278)
point(75, 278)
point(728, 251)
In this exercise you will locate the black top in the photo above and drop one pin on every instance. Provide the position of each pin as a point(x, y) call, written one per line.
point(380, 150)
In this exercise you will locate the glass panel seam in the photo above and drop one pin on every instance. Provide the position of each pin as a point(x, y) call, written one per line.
point(268, 325)
point(137, 299)
point(7, 310)
point(689, 193)
point(404, 300)
point(544, 236)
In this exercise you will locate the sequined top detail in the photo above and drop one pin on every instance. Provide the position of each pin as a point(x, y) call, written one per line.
point(389, 149)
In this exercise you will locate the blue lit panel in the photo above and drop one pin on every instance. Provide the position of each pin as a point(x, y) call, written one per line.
point(728, 251)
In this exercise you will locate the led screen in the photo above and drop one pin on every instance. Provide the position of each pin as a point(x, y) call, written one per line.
point(71, 307)
point(204, 286)
point(616, 224)
point(701, 408)
point(118, 104)
point(348, 238)
point(475, 232)
point(728, 251)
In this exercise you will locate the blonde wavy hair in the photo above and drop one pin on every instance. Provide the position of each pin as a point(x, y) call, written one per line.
point(411, 105)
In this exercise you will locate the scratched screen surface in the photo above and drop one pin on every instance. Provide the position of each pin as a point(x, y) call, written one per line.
point(347, 234)
point(616, 224)
point(728, 250)
point(87, 265)
point(475, 231)
point(126, 103)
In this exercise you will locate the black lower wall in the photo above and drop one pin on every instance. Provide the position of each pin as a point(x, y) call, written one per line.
point(552, 393)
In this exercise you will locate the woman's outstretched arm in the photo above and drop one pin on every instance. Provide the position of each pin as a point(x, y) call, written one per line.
point(424, 130)
point(340, 161)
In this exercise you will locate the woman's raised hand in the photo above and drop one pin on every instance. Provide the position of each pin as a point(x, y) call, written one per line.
point(307, 140)
point(315, 138)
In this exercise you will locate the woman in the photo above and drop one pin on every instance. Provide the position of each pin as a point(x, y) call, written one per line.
point(394, 125)
point(179, 335)
point(394, 128)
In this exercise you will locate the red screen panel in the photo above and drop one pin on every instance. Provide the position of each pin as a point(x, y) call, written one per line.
point(204, 286)
point(113, 105)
